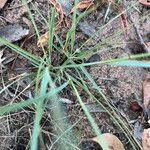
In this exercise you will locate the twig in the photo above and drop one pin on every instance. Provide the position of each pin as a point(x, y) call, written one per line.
point(145, 47)
point(14, 7)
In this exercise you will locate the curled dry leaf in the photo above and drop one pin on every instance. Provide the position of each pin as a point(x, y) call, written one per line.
point(2, 3)
point(113, 142)
point(43, 40)
point(146, 139)
point(145, 2)
point(146, 92)
point(60, 12)
point(83, 5)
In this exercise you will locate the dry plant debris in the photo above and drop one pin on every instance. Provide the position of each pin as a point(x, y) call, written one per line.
point(135, 106)
point(84, 5)
point(2, 3)
point(146, 139)
point(148, 44)
point(113, 142)
point(59, 11)
point(43, 40)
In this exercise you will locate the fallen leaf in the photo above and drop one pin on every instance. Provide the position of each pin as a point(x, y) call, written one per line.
point(83, 5)
point(146, 92)
point(13, 33)
point(148, 44)
point(145, 2)
point(134, 106)
point(43, 40)
point(2, 3)
point(113, 142)
point(146, 139)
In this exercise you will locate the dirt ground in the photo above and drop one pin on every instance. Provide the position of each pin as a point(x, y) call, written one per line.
point(121, 85)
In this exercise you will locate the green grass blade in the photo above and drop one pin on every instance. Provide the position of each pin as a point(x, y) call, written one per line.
point(109, 61)
point(90, 118)
point(133, 63)
point(70, 37)
point(51, 31)
point(101, 28)
point(61, 125)
point(34, 59)
point(39, 110)
point(128, 134)
point(60, 136)
point(24, 2)
point(16, 106)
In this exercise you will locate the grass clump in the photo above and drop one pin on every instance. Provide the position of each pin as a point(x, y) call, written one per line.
point(50, 80)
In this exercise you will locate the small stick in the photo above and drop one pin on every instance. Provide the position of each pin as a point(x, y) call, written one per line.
point(145, 47)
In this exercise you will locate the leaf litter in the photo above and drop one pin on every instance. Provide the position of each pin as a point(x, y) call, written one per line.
point(84, 5)
point(113, 142)
point(64, 8)
point(13, 33)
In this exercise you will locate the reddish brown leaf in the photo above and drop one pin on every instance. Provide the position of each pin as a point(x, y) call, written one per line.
point(148, 44)
point(2, 3)
point(84, 5)
point(145, 2)
point(146, 139)
point(146, 92)
point(134, 106)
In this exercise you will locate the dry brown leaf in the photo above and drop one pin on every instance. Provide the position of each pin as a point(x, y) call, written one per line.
point(2, 3)
point(113, 142)
point(146, 92)
point(146, 139)
point(148, 44)
point(145, 2)
point(83, 5)
point(43, 40)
